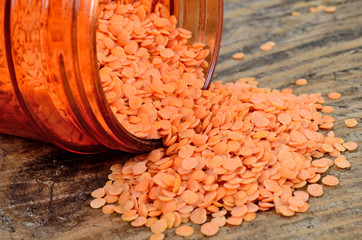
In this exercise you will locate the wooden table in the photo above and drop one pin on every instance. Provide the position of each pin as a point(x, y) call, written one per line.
point(45, 191)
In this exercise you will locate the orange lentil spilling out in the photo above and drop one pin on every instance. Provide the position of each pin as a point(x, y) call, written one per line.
point(229, 151)
point(149, 74)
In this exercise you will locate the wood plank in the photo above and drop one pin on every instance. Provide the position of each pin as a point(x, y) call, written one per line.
point(45, 191)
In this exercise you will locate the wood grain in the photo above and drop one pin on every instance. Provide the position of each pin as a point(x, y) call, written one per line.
point(45, 191)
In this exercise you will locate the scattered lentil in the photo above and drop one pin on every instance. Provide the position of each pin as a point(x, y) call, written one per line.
point(301, 82)
point(98, 193)
point(334, 95)
point(220, 221)
point(157, 236)
point(315, 190)
point(267, 46)
point(250, 216)
point(234, 221)
point(209, 229)
point(350, 146)
point(159, 226)
point(97, 203)
point(330, 9)
point(342, 162)
point(184, 231)
point(330, 180)
point(327, 109)
point(303, 195)
point(286, 211)
point(238, 56)
point(108, 209)
point(351, 122)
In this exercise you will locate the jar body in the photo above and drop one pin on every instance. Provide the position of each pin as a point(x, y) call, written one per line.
point(49, 82)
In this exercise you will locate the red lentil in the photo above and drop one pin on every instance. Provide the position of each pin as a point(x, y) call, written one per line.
point(296, 13)
point(327, 109)
point(330, 9)
point(98, 193)
point(342, 162)
point(350, 146)
point(238, 56)
point(209, 229)
point(301, 82)
point(157, 236)
point(330, 180)
point(334, 95)
point(267, 46)
point(97, 203)
point(234, 221)
point(184, 231)
point(351, 122)
point(315, 190)
point(220, 221)
point(159, 226)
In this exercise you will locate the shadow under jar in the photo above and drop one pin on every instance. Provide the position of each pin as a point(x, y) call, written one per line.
point(50, 88)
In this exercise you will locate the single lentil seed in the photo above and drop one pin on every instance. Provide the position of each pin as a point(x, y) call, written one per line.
point(350, 145)
point(327, 109)
point(159, 226)
point(330, 180)
point(342, 162)
point(315, 190)
point(301, 82)
point(209, 229)
point(351, 122)
point(220, 221)
point(157, 236)
point(334, 95)
point(330, 9)
point(184, 231)
point(267, 46)
point(238, 56)
point(97, 203)
point(98, 193)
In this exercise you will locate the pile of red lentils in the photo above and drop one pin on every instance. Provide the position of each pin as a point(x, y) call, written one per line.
point(229, 151)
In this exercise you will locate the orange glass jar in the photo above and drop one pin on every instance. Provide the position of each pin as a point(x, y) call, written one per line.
point(49, 82)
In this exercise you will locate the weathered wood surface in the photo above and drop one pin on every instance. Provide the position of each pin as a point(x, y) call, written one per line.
point(45, 192)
